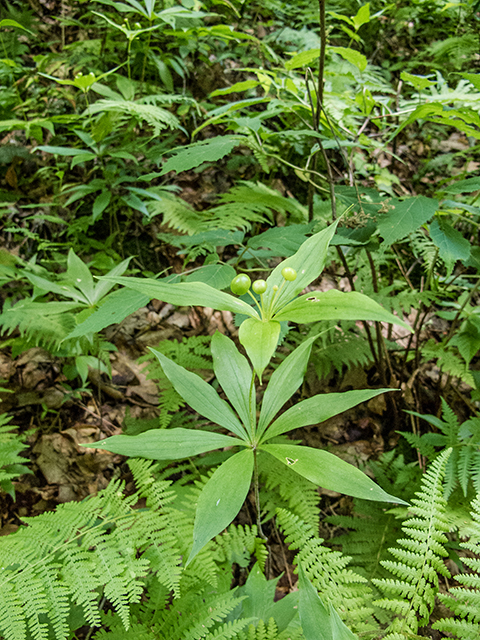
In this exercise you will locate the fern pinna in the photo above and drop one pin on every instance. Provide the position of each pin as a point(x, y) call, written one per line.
point(418, 558)
point(337, 585)
point(464, 601)
point(463, 465)
point(68, 557)
point(372, 529)
point(11, 463)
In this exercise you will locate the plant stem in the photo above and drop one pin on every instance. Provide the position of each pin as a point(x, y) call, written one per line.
point(251, 406)
point(257, 496)
point(349, 275)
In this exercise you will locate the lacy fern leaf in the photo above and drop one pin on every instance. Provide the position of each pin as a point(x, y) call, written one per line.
point(418, 558)
point(464, 601)
point(11, 463)
point(464, 463)
point(67, 556)
point(373, 529)
point(41, 323)
point(156, 117)
point(344, 589)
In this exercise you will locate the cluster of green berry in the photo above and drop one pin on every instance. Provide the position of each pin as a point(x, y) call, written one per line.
point(241, 284)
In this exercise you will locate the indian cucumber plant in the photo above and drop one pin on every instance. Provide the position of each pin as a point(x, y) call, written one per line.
point(225, 492)
point(240, 323)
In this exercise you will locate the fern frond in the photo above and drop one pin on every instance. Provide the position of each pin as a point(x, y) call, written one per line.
point(238, 544)
point(448, 361)
point(397, 299)
point(292, 491)
point(465, 601)
point(11, 463)
point(43, 324)
point(424, 249)
point(70, 554)
point(228, 630)
point(176, 213)
point(418, 557)
point(344, 589)
point(341, 349)
point(193, 614)
point(464, 463)
point(155, 117)
point(266, 201)
point(373, 529)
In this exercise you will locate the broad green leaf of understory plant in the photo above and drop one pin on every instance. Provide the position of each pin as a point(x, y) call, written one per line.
point(336, 305)
point(317, 409)
point(318, 622)
point(235, 377)
point(166, 444)
point(260, 340)
point(452, 246)
point(405, 217)
point(200, 395)
point(211, 150)
point(328, 471)
point(13, 23)
point(221, 499)
point(187, 293)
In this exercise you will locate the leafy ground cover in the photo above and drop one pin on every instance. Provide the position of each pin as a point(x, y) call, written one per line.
point(150, 154)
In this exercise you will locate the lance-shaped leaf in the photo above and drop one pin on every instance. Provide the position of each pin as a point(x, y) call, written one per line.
point(165, 444)
point(318, 622)
point(308, 262)
point(200, 395)
point(114, 308)
point(186, 294)
point(260, 340)
point(329, 471)
point(235, 377)
point(318, 409)
point(80, 276)
point(284, 382)
point(221, 499)
point(336, 305)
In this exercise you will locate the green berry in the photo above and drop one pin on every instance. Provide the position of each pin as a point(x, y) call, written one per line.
point(289, 274)
point(259, 286)
point(240, 284)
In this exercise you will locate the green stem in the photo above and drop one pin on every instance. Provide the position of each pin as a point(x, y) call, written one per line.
point(274, 299)
point(251, 405)
point(257, 496)
point(256, 302)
